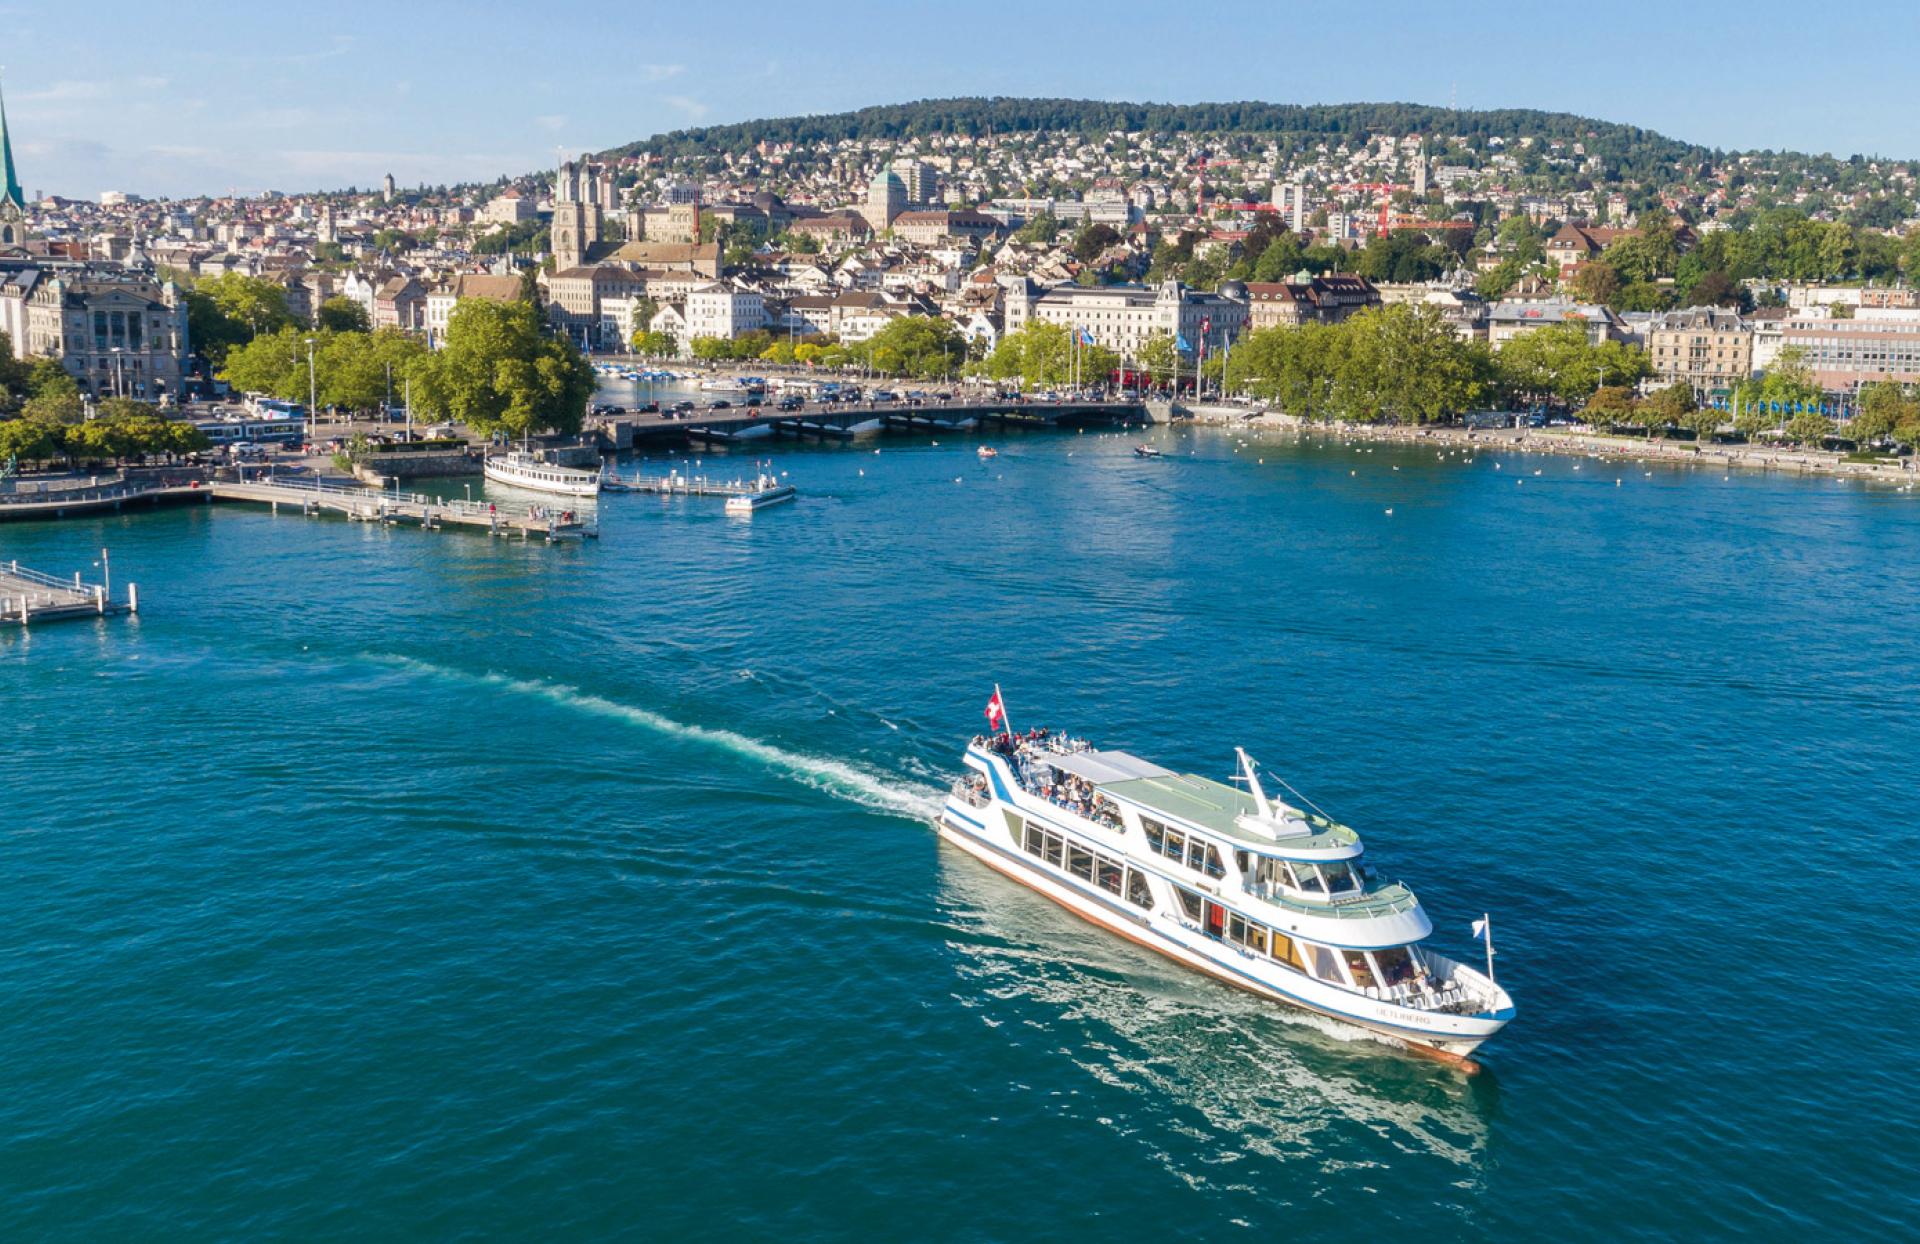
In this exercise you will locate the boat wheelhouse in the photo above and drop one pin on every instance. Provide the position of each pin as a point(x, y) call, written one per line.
point(1249, 889)
point(520, 469)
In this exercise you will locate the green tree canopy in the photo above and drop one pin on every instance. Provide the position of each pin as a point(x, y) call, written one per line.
point(341, 314)
point(499, 372)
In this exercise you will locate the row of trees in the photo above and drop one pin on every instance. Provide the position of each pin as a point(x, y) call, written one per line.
point(499, 371)
point(352, 370)
point(55, 427)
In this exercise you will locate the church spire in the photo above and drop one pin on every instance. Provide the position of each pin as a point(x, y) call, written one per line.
point(10, 191)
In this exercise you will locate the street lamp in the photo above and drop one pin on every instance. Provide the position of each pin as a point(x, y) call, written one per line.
point(313, 412)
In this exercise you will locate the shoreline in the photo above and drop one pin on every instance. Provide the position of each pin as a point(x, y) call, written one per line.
point(1575, 444)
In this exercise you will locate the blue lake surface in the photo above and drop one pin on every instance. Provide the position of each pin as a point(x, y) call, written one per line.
point(381, 883)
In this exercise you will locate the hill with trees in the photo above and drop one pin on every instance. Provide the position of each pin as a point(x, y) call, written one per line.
point(1629, 148)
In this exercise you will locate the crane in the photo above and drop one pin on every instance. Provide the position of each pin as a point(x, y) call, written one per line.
point(1385, 190)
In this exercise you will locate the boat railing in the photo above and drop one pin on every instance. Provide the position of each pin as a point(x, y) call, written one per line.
point(974, 796)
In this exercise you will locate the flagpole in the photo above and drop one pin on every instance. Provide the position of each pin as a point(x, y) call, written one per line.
point(1486, 919)
point(1006, 722)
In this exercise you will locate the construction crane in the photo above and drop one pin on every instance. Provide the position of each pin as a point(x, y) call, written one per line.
point(1385, 190)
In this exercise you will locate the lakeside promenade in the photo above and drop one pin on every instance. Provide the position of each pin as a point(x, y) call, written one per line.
point(1572, 443)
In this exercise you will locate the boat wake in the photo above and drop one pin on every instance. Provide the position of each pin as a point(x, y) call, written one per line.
point(852, 782)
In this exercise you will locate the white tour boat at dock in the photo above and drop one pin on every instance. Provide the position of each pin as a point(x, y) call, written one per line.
point(1244, 887)
point(521, 469)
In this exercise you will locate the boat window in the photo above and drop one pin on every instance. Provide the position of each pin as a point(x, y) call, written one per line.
point(1286, 951)
point(1156, 834)
point(1308, 877)
point(1339, 877)
point(1213, 867)
point(1175, 847)
point(1189, 902)
point(1362, 970)
point(1053, 849)
point(1138, 892)
point(1080, 862)
point(1108, 873)
point(1322, 963)
point(1395, 965)
point(1107, 812)
point(1036, 841)
point(1237, 928)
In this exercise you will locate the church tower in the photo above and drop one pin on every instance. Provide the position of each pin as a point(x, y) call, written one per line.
point(13, 201)
point(576, 215)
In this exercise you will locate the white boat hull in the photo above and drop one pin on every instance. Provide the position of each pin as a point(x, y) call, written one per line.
point(973, 830)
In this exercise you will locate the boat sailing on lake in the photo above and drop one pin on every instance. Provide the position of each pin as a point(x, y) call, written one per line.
point(1245, 887)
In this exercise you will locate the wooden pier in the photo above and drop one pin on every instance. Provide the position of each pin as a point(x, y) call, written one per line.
point(29, 596)
point(371, 505)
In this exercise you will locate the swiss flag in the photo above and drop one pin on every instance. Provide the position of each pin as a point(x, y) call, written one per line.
point(996, 711)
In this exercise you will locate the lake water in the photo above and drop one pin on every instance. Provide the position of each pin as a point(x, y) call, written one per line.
point(376, 882)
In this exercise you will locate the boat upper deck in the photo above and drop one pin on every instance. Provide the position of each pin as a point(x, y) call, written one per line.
point(1202, 803)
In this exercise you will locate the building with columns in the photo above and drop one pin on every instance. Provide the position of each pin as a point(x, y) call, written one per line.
point(118, 335)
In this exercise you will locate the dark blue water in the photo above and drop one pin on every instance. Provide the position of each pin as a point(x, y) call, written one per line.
point(377, 882)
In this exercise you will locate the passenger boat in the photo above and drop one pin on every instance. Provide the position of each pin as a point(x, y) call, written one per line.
point(1245, 887)
point(521, 469)
point(1145, 451)
point(765, 490)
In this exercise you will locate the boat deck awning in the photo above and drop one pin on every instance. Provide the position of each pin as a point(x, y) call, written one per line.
point(1103, 767)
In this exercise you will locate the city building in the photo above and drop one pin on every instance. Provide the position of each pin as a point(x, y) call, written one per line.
point(1308, 299)
point(886, 199)
point(1123, 317)
point(721, 309)
point(577, 213)
point(1706, 348)
point(1845, 354)
point(440, 302)
point(1509, 318)
point(118, 335)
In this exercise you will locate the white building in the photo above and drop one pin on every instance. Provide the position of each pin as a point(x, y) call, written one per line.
point(718, 309)
point(1122, 317)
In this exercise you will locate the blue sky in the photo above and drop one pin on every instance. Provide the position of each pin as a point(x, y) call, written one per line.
point(211, 96)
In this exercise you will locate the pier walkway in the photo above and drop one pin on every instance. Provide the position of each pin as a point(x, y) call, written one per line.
point(677, 485)
point(370, 505)
point(29, 596)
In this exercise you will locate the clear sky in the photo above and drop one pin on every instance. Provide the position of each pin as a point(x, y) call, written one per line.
point(211, 96)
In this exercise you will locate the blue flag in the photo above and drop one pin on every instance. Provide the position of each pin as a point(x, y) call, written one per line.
point(1180, 342)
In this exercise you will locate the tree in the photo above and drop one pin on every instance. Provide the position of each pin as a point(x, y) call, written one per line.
point(1159, 357)
point(256, 302)
point(1883, 406)
point(1809, 427)
point(915, 345)
point(1609, 407)
point(1669, 407)
point(47, 377)
point(1598, 282)
point(341, 314)
point(1092, 240)
point(500, 373)
point(28, 440)
point(655, 344)
point(1042, 228)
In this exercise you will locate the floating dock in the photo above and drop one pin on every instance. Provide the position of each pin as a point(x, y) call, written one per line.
point(29, 596)
point(674, 484)
point(370, 505)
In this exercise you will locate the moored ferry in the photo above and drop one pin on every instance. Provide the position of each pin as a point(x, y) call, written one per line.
point(1245, 887)
point(520, 469)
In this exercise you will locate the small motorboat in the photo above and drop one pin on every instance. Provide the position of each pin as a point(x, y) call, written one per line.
point(1145, 451)
point(987, 451)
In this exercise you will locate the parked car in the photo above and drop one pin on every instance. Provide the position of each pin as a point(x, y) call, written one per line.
point(720, 404)
point(790, 403)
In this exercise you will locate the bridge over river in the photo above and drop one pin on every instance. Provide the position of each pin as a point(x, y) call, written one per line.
point(845, 419)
